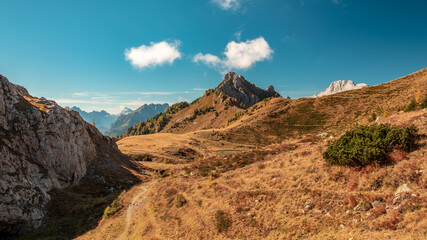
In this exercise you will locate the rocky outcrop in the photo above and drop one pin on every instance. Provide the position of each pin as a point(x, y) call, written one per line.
point(340, 86)
point(42, 146)
point(245, 92)
point(126, 121)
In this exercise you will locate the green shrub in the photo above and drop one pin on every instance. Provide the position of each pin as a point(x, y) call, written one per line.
point(368, 144)
point(373, 117)
point(236, 116)
point(142, 157)
point(424, 102)
point(223, 222)
point(417, 104)
point(412, 106)
point(180, 201)
point(114, 207)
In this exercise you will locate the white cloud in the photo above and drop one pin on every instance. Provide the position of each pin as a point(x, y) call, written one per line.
point(207, 59)
point(80, 94)
point(242, 55)
point(154, 55)
point(238, 35)
point(181, 99)
point(150, 93)
point(198, 89)
point(63, 100)
point(227, 4)
point(139, 103)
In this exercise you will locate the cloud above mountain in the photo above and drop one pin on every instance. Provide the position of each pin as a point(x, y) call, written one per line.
point(153, 55)
point(228, 4)
point(242, 55)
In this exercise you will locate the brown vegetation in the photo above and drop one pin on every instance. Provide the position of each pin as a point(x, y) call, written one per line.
point(259, 173)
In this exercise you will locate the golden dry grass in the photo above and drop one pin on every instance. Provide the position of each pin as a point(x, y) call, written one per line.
point(275, 184)
point(165, 146)
point(290, 194)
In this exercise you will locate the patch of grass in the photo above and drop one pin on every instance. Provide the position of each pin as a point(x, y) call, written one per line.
point(223, 221)
point(373, 117)
point(180, 201)
point(416, 104)
point(215, 165)
point(369, 144)
point(228, 152)
point(412, 106)
point(142, 157)
point(113, 208)
point(236, 117)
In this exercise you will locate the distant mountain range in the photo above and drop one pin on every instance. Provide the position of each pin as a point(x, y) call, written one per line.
point(116, 124)
point(341, 86)
point(123, 122)
point(102, 119)
point(125, 111)
point(215, 109)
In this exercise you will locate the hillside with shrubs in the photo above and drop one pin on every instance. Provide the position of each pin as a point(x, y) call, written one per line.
point(344, 166)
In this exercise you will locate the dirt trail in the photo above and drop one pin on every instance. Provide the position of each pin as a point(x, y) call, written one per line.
point(137, 201)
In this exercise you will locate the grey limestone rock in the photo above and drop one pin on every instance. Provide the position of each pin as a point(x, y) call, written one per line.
point(247, 93)
point(41, 148)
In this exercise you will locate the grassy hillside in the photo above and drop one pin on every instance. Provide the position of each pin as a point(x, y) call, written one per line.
point(333, 114)
point(273, 120)
point(212, 110)
point(225, 172)
point(283, 191)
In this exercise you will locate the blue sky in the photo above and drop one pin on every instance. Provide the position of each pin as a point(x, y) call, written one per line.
point(111, 54)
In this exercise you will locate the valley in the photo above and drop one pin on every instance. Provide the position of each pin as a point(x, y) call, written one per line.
point(213, 120)
point(250, 172)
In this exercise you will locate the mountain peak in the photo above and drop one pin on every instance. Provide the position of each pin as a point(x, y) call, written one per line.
point(247, 93)
point(340, 86)
point(125, 111)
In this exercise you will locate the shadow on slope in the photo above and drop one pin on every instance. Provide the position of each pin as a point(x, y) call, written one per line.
point(75, 210)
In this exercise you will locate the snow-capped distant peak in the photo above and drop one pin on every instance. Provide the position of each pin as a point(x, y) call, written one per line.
point(341, 86)
point(125, 111)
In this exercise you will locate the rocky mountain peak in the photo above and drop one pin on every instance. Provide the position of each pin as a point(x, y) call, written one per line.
point(271, 89)
point(125, 111)
point(247, 93)
point(340, 86)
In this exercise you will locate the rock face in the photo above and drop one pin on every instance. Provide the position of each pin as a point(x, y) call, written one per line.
point(245, 92)
point(42, 146)
point(102, 119)
point(126, 121)
point(340, 86)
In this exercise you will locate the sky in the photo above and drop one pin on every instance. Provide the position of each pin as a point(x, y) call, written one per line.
point(105, 54)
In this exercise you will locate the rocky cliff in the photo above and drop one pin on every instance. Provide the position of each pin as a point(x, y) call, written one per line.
point(247, 93)
point(340, 86)
point(43, 146)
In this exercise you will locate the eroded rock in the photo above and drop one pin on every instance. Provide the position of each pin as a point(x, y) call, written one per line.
point(246, 93)
point(42, 146)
